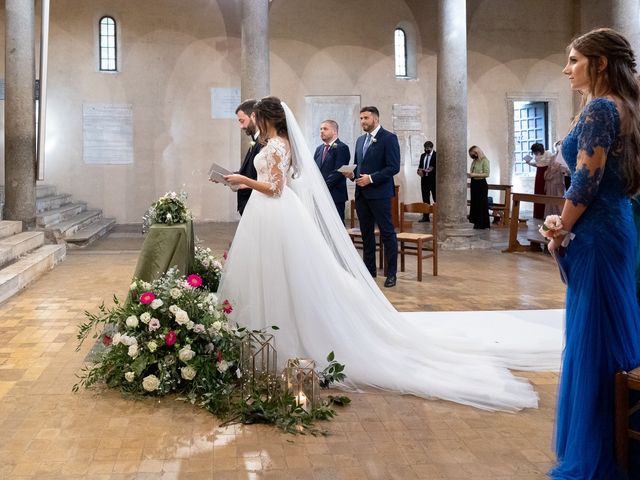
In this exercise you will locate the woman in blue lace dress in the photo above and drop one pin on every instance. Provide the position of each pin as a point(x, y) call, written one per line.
point(602, 315)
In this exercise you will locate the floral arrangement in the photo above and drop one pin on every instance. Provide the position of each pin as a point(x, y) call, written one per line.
point(552, 227)
point(170, 336)
point(169, 209)
point(208, 267)
point(173, 336)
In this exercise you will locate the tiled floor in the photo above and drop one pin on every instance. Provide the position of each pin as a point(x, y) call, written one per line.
point(49, 432)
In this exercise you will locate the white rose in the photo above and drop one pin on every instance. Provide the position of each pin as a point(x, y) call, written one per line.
point(198, 328)
point(188, 373)
point(146, 286)
point(133, 351)
point(133, 286)
point(190, 325)
point(175, 293)
point(152, 346)
point(116, 339)
point(128, 341)
point(217, 265)
point(206, 263)
point(150, 383)
point(212, 298)
point(223, 366)
point(185, 354)
point(157, 303)
point(217, 315)
point(145, 317)
point(216, 326)
point(181, 317)
point(173, 309)
point(132, 321)
point(129, 376)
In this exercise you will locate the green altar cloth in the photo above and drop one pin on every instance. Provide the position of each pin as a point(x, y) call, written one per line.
point(164, 247)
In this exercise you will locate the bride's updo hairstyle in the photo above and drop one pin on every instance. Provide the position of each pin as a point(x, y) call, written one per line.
point(618, 78)
point(269, 111)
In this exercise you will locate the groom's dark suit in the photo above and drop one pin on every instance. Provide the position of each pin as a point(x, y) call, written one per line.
point(373, 202)
point(248, 170)
point(337, 155)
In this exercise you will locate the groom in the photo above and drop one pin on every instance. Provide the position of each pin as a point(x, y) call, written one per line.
point(247, 119)
point(377, 156)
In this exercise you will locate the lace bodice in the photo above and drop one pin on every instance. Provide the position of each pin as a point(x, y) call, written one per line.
point(272, 164)
point(599, 185)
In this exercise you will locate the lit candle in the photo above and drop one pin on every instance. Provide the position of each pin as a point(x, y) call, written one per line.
point(301, 399)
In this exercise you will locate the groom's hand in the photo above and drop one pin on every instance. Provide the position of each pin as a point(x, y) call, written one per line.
point(364, 180)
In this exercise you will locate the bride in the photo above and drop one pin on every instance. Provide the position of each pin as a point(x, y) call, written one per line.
point(292, 264)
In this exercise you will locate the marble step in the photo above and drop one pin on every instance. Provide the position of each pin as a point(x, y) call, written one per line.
point(42, 190)
point(52, 201)
point(19, 274)
point(48, 218)
point(10, 227)
point(17, 245)
point(59, 231)
point(91, 232)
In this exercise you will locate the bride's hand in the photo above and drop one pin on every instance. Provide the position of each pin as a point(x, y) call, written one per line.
point(235, 179)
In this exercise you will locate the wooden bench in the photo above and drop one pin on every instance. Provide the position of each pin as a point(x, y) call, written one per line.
point(516, 198)
point(499, 210)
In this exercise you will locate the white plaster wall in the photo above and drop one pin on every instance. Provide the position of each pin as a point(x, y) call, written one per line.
point(174, 51)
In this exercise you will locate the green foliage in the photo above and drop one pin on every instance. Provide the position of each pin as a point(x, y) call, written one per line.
point(333, 372)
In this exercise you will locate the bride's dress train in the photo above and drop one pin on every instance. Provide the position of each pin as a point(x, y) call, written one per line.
point(291, 264)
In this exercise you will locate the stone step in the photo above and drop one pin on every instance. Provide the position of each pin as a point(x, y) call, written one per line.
point(10, 227)
point(42, 190)
point(58, 232)
point(48, 218)
point(19, 274)
point(52, 201)
point(91, 232)
point(17, 245)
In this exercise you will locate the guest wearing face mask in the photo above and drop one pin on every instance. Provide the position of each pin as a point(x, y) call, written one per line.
point(541, 161)
point(478, 173)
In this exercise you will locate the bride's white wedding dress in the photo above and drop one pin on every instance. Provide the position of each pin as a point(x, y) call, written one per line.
point(292, 264)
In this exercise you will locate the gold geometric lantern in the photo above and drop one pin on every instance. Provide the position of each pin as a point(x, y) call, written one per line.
point(302, 381)
point(258, 364)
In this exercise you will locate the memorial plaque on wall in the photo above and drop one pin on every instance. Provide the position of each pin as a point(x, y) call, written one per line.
point(107, 133)
point(407, 118)
point(224, 102)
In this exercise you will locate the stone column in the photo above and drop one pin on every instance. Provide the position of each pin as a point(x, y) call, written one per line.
point(19, 107)
point(255, 72)
point(455, 230)
point(625, 16)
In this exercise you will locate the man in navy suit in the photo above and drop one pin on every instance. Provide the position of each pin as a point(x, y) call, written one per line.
point(377, 157)
point(247, 119)
point(427, 170)
point(330, 156)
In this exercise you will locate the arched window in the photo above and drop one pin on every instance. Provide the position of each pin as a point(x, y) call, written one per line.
point(107, 48)
point(400, 43)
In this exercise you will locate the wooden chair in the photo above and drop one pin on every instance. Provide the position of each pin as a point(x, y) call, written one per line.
point(356, 235)
point(626, 382)
point(419, 239)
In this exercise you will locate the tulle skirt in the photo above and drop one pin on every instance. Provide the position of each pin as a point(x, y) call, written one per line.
point(280, 271)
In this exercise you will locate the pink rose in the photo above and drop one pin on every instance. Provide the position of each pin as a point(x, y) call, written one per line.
point(147, 297)
point(194, 280)
point(226, 307)
point(154, 324)
point(171, 338)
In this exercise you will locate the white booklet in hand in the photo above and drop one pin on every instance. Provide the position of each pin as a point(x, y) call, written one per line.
point(347, 168)
point(218, 172)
